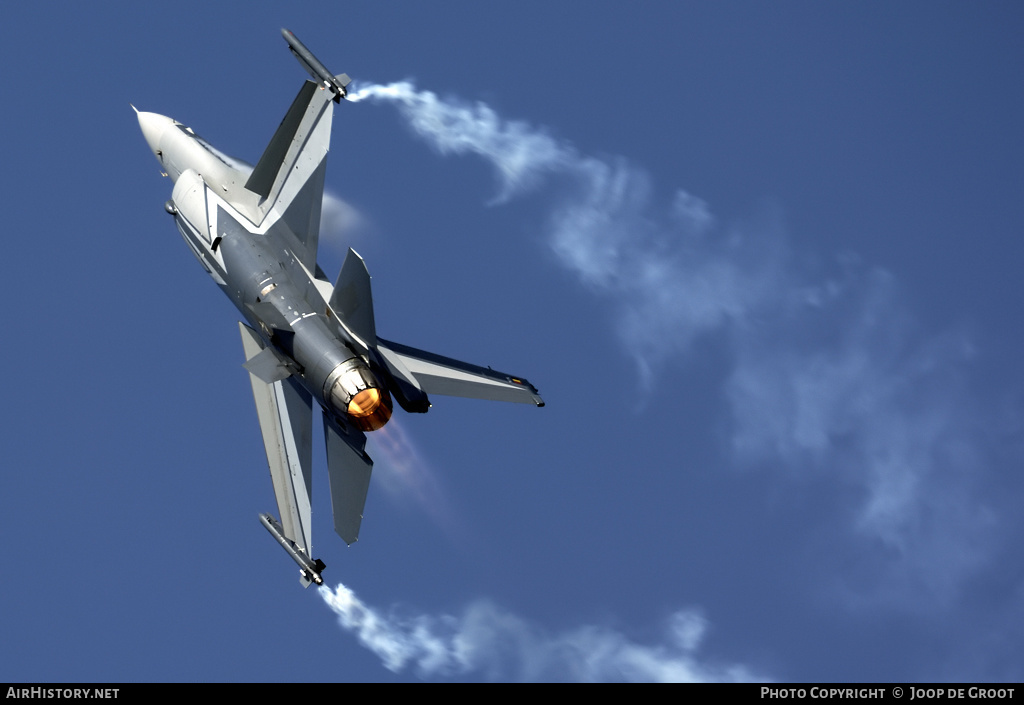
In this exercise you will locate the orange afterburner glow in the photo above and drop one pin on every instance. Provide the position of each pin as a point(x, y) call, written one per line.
point(353, 391)
point(370, 409)
point(364, 403)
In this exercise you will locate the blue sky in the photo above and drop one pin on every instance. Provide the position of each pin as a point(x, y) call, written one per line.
point(761, 260)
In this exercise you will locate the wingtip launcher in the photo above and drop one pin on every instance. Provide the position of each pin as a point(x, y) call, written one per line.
point(336, 84)
point(309, 568)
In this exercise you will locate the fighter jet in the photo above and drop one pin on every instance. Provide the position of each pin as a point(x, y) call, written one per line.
point(255, 231)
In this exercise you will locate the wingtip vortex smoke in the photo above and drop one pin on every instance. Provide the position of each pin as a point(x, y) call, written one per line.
point(497, 645)
point(671, 273)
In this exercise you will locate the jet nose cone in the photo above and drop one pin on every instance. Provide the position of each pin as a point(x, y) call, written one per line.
point(153, 127)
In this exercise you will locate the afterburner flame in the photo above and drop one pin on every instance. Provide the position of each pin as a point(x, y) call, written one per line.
point(364, 403)
point(370, 409)
point(354, 391)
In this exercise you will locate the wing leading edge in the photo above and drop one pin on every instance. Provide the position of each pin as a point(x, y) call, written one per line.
point(285, 412)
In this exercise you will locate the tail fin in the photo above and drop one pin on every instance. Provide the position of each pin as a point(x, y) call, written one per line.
point(352, 299)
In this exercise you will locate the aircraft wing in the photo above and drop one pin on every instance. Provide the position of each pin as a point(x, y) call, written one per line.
point(436, 374)
point(289, 177)
point(286, 419)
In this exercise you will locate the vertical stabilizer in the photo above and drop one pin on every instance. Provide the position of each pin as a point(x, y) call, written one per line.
point(352, 299)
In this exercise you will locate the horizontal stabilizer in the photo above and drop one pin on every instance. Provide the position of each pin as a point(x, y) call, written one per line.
point(349, 468)
point(436, 374)
point(402, 382)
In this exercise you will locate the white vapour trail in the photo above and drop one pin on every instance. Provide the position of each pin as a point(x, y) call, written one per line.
point(668, 278)
point(495, 644)
point(520, 153)
point(829, 373)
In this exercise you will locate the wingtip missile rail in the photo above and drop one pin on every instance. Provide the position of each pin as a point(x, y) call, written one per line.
point(308, 567)
point(337, 84)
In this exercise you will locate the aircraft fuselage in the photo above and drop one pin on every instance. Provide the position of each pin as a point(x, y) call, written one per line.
point(257, 270)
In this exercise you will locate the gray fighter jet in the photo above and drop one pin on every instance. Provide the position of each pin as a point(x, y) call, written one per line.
point(255, 231)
